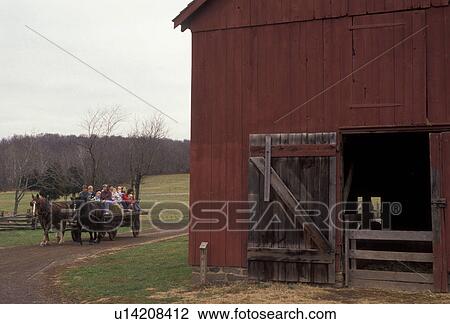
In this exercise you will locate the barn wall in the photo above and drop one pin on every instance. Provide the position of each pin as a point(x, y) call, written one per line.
point(223, 14)
point(244, 79)
point(438, 65)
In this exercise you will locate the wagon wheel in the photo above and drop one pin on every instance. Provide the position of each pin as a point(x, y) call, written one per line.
point(136, 225)
point(112, 235)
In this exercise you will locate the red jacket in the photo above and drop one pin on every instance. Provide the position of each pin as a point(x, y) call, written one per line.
point(128, 199)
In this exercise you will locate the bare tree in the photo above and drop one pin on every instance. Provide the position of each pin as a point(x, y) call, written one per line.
point(146, 139)
point(22, 171)
point(99, 125)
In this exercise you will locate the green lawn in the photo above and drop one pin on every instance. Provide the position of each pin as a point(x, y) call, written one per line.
point(7, 202)
point(172, 188)
point(136, 275)
point(165, 188)
point(21, 238)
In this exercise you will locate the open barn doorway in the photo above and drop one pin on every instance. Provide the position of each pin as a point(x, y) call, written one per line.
point(391, 168)
point(388, 239)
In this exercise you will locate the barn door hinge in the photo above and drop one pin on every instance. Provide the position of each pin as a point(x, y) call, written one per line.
point(439, 203)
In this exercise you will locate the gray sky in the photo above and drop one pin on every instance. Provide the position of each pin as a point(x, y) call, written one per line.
point(43, 90)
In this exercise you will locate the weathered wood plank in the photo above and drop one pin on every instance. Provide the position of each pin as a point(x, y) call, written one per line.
point(319, 273)
point(285, 255)
point(346, 255)
point(391, 235)
point(253, 196)
point(267, 167)
point(292, 203)
point(353, 262)
point(299, 150)
point(332, 216)
point(391, 256)
point(392, 276)
point(440, 266)
point(380, 284)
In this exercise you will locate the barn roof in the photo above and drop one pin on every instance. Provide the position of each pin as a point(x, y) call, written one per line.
point(187, 12)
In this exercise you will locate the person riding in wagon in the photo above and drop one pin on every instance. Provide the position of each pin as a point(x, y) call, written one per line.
point(85, 195)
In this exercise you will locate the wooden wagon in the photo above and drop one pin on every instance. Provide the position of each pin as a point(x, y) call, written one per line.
point(106, 221)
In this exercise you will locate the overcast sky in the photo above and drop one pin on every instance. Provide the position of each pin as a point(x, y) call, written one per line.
point(43, 90)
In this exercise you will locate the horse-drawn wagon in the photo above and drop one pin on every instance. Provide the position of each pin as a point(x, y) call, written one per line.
point(94, 217)
point(101, 218)
point(102, 221)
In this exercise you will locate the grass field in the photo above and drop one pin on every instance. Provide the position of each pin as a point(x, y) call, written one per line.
point(7, 202)
point(164, 188)
point(131, 276)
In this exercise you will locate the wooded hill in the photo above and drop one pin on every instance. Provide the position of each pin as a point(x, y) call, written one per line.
point(30, 161)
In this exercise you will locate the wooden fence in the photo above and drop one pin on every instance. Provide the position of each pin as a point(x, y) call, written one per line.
point(409, 279)
point(18, 222)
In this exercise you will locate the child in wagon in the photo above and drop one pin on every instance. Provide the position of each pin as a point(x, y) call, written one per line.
point(98, 195)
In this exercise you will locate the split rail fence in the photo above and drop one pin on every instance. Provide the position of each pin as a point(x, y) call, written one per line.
point(18, 222)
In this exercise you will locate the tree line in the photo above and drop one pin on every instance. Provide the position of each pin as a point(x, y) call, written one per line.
point(58, 165)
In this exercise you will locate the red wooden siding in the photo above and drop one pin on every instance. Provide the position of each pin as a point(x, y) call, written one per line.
point(438, 66)
point(246, 78)
point(337, 39)
point(389, 87)
point(234, 152)
point(224, 14)
point(201, 149)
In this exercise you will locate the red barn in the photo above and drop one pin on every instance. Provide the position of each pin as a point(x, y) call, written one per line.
point(315, 112)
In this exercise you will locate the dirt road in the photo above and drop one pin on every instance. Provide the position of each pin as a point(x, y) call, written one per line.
point(26, 273)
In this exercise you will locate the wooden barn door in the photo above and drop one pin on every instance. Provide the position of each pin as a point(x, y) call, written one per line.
point(292, 179)
point(440, 196)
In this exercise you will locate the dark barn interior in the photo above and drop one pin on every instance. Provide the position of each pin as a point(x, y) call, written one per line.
point(396, 168)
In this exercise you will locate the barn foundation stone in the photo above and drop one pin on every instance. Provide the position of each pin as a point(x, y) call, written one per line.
point(219, 275)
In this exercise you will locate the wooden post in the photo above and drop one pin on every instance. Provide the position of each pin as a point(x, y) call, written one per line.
point(440, 266)
point(267, 168)
point(332, 218)
point(346, 253)
point(203, 262)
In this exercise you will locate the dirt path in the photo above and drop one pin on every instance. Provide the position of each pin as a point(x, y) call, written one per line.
point(25, 271)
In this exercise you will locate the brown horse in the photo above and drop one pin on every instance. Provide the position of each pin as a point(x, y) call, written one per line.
point(51, 214)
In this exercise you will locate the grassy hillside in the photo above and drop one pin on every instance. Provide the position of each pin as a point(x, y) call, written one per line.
point(165, 188)
point(7, 202)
